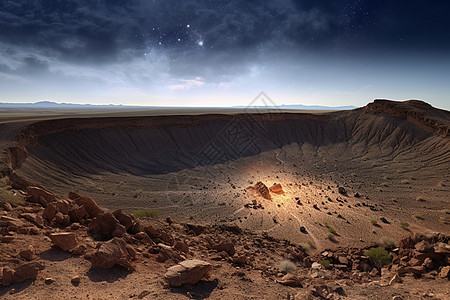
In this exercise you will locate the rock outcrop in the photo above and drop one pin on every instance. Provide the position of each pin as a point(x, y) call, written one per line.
point(187, 272)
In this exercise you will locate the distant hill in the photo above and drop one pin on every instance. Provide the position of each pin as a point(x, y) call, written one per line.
point(302, 107)
point(54, 105)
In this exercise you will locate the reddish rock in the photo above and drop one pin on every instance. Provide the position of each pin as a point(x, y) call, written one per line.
point(27, 271)
point(417, 270)
point(226, 246)
point(79, 250)
point(187, 272)
point(124, 219)
point(39, 195)
point(27, 254)
point(277, 189)
point(106, 225)
point(49, 212)
point(119, 231)
point(181, 247)
point(78, 213)
point(262, 190)
point(112, 253)
point(61, 219)
point(64, 240)
point(91, 207)
point(7, 277)
point(423, 246)
point(151, 231)
point(36, 219)
point(63, 207)
point(10, 223)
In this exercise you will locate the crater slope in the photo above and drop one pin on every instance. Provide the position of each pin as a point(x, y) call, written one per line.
point(394, 155)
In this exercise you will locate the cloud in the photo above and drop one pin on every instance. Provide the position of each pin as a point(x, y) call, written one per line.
point(186, 84)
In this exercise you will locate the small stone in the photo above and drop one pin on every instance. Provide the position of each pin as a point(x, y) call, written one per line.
point(49, 280)
point(75, 280)
point(28, 253)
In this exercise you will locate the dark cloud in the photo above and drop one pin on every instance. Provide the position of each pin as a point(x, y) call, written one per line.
point(102, 31)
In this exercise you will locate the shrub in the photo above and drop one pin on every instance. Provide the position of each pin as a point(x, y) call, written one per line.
point(6, 195)
point(386, 242)
point(325, 263)
point(374, 222)
point(330, 236)
point(331, 230)
point(146, 213)
point(404, 225)
point(287, 266)
point(307, 245)
point(378, 256)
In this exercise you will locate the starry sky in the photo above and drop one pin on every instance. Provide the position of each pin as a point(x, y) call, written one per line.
point(224, 53)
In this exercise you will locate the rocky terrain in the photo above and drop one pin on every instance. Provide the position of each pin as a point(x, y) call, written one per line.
point(347, 204)
point(71, 248)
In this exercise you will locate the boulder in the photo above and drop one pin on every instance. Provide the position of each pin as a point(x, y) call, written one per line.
point(64, 240)
point(416, 270)
point(36, 219)
point(63, 206)
point(159, 235)
point(61, 219)
point(277, 189)
point(124, 219)
point(39, 195)
point(91, 207)
point(111, 253)
point(187, 272)
point(78, 213)
point(106, 225)
point(423, 246)
point(49, 212)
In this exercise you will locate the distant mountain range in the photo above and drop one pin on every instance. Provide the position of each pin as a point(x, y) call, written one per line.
point(54, 105)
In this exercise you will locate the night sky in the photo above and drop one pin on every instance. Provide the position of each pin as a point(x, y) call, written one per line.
point(222, 53)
